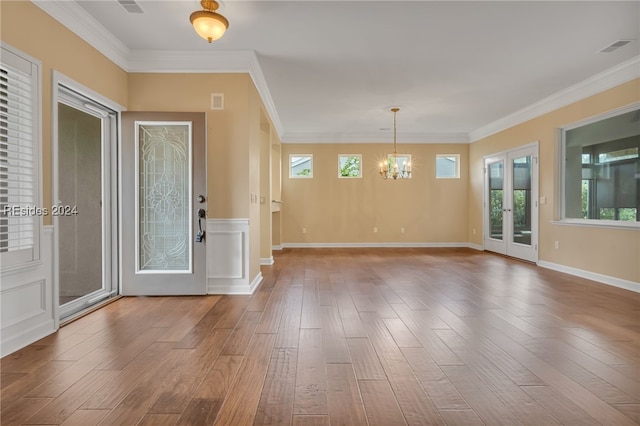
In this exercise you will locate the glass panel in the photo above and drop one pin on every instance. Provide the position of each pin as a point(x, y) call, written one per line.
point(601, 168)
point(349, 166)
point(164, 197)
point(80, 211)
point(496, 181)
point(300, 166)
point(447, 166)
point(522, 200)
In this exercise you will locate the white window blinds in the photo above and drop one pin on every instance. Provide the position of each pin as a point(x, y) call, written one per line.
point(19, 196)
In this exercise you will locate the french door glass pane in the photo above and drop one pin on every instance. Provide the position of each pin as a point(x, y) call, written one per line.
point(496, 182)
point(164, 197)
point(522, 200)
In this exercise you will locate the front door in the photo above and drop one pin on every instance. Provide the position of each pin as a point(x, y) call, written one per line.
point(511, 203)
point(163, 212)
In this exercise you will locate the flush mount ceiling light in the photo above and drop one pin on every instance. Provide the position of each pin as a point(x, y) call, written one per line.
point(390, 169)
point(208, 24)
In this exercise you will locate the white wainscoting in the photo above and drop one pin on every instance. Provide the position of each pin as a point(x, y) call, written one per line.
point(27, 301)
point(228, 257)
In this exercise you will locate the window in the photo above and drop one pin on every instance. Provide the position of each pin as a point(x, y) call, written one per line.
point(350, 166)
point(20, 213)
point(601, 169)
point(448, 166)
point(300, 166)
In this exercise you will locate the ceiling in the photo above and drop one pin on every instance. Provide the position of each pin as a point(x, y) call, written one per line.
point(330, 70)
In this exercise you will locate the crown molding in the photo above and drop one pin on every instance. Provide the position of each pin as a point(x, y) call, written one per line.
point(255, 71)
point(621, 73)
point(78, 21)
point(414, 138)
point(189, 61)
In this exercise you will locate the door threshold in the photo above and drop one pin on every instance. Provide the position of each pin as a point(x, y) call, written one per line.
point(78, 315)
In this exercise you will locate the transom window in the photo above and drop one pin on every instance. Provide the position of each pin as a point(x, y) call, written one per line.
point(300, 166)
point(448, 166)
point(349, 166)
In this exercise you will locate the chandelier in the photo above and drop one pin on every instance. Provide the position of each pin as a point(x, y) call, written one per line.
point(208, 24)
point(390, 169)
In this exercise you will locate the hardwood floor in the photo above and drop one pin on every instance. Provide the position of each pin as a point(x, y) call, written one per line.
point(347, 337)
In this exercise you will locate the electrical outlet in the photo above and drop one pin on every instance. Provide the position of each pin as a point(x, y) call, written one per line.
point(304, 230)
point(375, 229)
point(474, 231)
point(402, 230)
point(556, 244)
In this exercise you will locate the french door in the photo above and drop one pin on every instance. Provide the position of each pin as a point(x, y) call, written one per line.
point(511, 203)
point(163, 193)
point(84, 211)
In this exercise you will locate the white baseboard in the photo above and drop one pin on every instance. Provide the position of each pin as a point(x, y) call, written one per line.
point(373, 245)
point(233, 287)
point(277, 247)
point(478, 247)
point(266, 261)
point(604, 279)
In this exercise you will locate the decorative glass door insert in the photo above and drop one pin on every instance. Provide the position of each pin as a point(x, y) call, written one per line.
point(163, 197)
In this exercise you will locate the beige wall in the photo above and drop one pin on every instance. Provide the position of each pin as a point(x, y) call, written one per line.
point(335, 210)
point(612, 252)
point(233, 138)
point(27, 28)
point(227, 130)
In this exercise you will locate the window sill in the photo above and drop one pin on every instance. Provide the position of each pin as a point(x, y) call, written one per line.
point(598, 223)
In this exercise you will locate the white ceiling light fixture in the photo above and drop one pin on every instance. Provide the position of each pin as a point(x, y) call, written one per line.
point(208, 24)
point(390, 169)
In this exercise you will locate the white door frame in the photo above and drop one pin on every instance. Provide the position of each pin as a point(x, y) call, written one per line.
point(97, 105)
point(507, 246)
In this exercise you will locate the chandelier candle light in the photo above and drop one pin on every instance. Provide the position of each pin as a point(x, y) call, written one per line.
point(208, 24)
point(390, 169)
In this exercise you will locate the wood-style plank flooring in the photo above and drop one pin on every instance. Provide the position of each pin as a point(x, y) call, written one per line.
point(347, 337)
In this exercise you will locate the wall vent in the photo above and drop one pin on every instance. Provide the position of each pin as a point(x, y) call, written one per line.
point(615, 46)
point(217, 101)
point(130, 6)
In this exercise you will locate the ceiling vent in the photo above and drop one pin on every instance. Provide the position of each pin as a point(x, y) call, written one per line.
point(615, 46)
point(130, 6)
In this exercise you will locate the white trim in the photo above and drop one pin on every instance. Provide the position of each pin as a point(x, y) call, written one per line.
point(85, 26)
point(597, 223)
point(413, 138)
point(478, 247)
point(375, 245)
point(277, 247)
point(615, 76)
point(26, 328)
point(90, 30)
point(228, 257)
point(235, 289)
point(35, 67)
point(603, 279)
point(267, 261)
point(110, 231)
